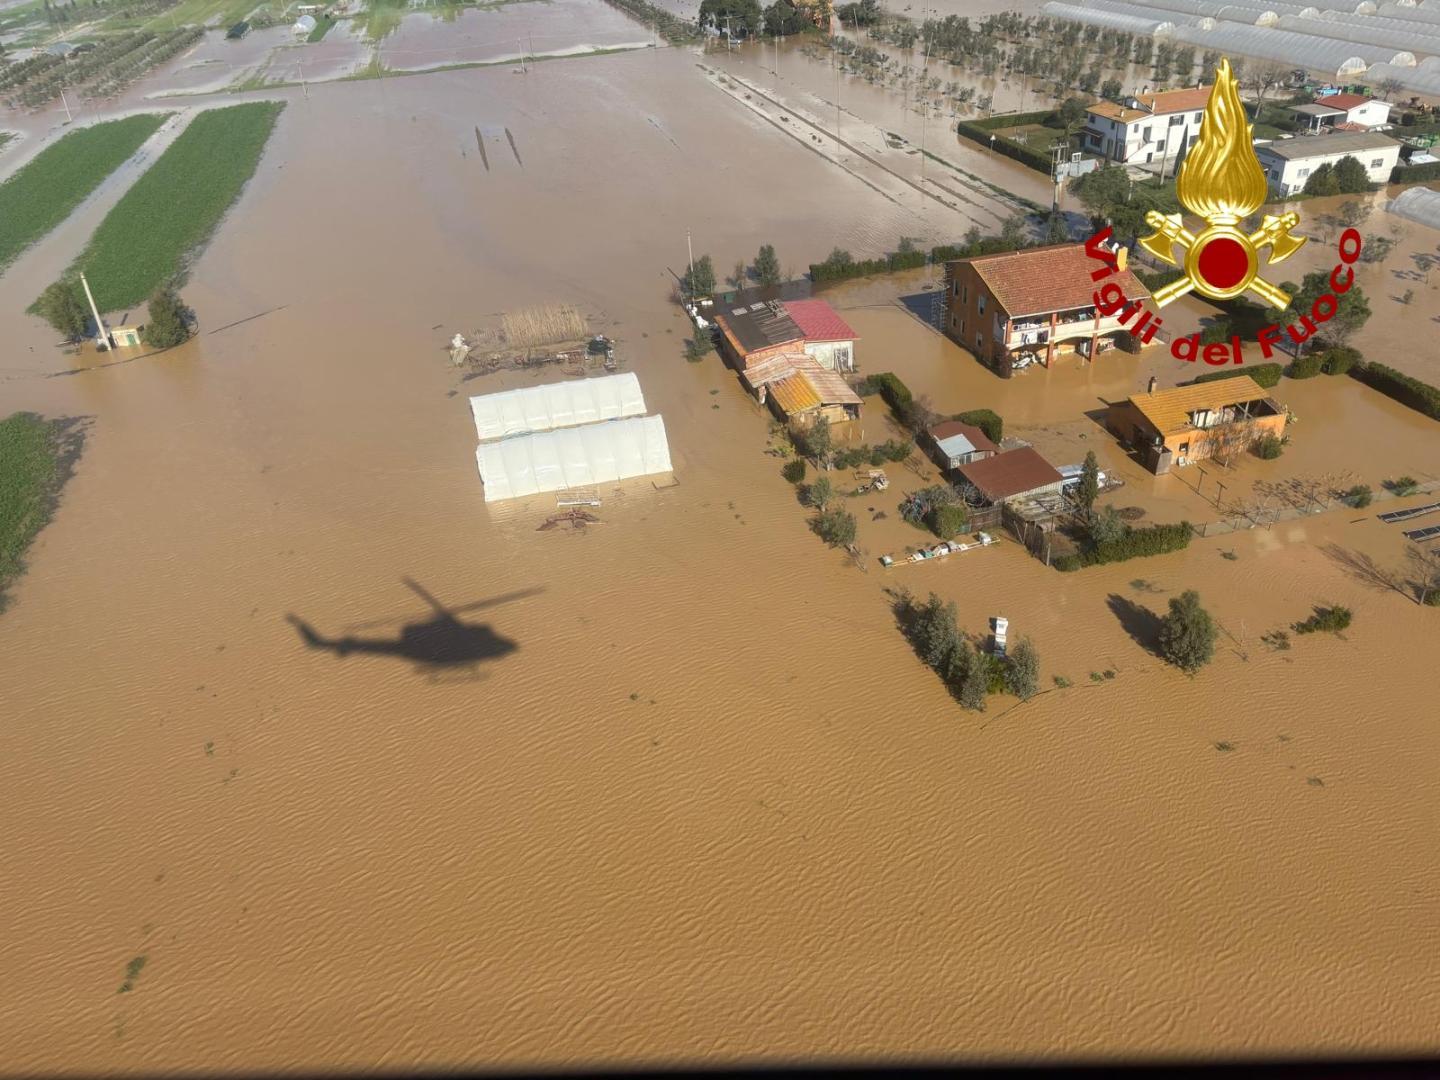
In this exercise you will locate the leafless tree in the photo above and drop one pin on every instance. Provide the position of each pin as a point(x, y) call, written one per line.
point(1264, 76)
point(1424, 561)
point(1389, 87)
point(1226, 442)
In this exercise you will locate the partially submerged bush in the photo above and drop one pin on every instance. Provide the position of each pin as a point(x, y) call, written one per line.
point(835, 526)
point(1359, 496)
point(949, 520)
point(1268, 447)
point(794, 470)
point(1405, 485)
point(1332, 619)
point(1188, 633)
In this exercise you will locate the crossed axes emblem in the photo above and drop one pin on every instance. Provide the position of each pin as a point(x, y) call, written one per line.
point(1234, 245)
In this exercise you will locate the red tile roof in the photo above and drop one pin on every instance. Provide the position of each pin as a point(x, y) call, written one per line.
point(950, 428)
point(1009, 474)
point(1161, 104)
point(1046, 279)
point(1343, 101)
point(818, 321)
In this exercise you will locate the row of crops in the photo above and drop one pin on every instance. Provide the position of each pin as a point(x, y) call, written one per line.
point(101, 72)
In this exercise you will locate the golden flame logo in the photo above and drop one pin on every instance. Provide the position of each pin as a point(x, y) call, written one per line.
point(1221, 181)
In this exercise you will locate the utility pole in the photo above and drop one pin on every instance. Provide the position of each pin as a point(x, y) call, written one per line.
point(68, 117)
point(690, 252)
point(303, 84)
point(101, 336)
point(520, 44)
point(1056, 150)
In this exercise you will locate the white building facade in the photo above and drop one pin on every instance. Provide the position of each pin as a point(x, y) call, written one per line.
point(1149, 129)
point(1288, 163)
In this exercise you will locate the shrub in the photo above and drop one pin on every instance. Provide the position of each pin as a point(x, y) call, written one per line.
point(1432, 598)
point(169, 323)
point(987, 421)
point(1307, 366)
point(1265, 375)
point(852, 457)
point(1339, 359)
point(700, 346)
point(1131, 544)
point(877, 456)
point(1022, 673)
point(1405, 485)
point(60, 305)
point(1332, 619)
point(1422, 397)
point(1188, 633)
point(896, 449)
point(949, 520)
point(1359, 496)
point(835, 526)
point(891, 390)
point(820, 493)
point(1414, 174)
point(794, 470)
point(1268, 447)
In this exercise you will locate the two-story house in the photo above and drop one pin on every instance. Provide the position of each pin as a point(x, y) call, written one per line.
point(1146, 129)
point(1015, 308)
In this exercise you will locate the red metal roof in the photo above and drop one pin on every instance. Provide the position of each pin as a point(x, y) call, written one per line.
point(1343, 101)
point(818, 321)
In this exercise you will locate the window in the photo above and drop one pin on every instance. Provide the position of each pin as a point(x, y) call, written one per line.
point(1376, 163)
point(965, 297)
point(1192, 140)
point(1199, 116)
point(1177, 120)
point(981, 301)
point(1149, 158)
point(979, 342)
point(1145, 135)
point(1303, 173)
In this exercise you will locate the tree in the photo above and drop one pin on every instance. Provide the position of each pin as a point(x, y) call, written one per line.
point(1056, 231)
point(1322, 181)
point(976, 682)
point(1110, 90)
point(737, 276)
point(1264, 77)
point(935, 633)
point(60, 306)
point(1351, 312)
point(1012, 232)
point(1389, 86)
point(1106, 527)
point(767, 266)
point(949, 519)
point(820, 493)
point(835, 526)
point(700, 346)
point(699, 280)
point(1350, 176)
point(1089, 489)
point(1022, 673)
point(1188, 633)
point(784, 19)
point(742, 17)
point(169, 323)
point(1072, 112)
point(815, 441)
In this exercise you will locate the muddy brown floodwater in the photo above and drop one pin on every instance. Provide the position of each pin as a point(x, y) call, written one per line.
point(672, 788)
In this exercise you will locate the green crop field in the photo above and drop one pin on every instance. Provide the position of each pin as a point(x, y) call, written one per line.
point(167, 215)
point(29, 475)
point(45, 191)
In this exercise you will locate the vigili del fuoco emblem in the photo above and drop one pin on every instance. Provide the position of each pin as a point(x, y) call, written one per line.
point(1221, 180)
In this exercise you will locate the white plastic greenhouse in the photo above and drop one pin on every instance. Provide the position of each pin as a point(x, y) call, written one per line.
point(1419, 204)
point(1342, 58)
point(1366, 30)
point(574, 457)
point(1110, 20)
point(1421, 79)
point(557, 405)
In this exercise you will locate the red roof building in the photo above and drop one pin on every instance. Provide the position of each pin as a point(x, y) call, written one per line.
point(1037, 305)
point(818, 321)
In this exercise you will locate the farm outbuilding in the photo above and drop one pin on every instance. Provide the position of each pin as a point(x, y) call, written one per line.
point(573, 457)
point(557, 405)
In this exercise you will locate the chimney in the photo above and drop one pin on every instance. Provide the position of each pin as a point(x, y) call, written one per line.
point(1151, 388)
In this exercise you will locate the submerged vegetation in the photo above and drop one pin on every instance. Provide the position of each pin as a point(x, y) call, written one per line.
point(35, 460)
point(47, 189)
point(967, 670)
point(144, 242)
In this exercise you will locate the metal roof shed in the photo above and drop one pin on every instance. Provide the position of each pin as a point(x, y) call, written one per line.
point(557, 405)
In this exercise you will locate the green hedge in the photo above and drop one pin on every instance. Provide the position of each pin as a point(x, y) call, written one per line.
point(1340, 359)
point(1267, 375)
point(1307, 366)
point(896, 394)
point(842, 271)
point(1133, 544)
point(1026, 155)
point(991, 423)
point(1422, 397)
point(1413, 174)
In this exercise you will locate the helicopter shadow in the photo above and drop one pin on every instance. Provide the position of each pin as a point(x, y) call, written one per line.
point(440, 644)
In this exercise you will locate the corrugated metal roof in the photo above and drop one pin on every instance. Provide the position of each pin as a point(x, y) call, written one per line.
point(818, 321)
point(972, 434)
point(955, 446)
point(795, 394)
point(1344, 142)
point(758, 326)
point(1012, 473)
point(1169, 410)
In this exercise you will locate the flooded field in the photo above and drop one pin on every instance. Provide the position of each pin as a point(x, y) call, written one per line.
point(673, 788)
point(553, 28)
point(215, 63)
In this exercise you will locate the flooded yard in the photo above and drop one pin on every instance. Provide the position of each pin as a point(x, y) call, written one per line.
point(673, 788)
